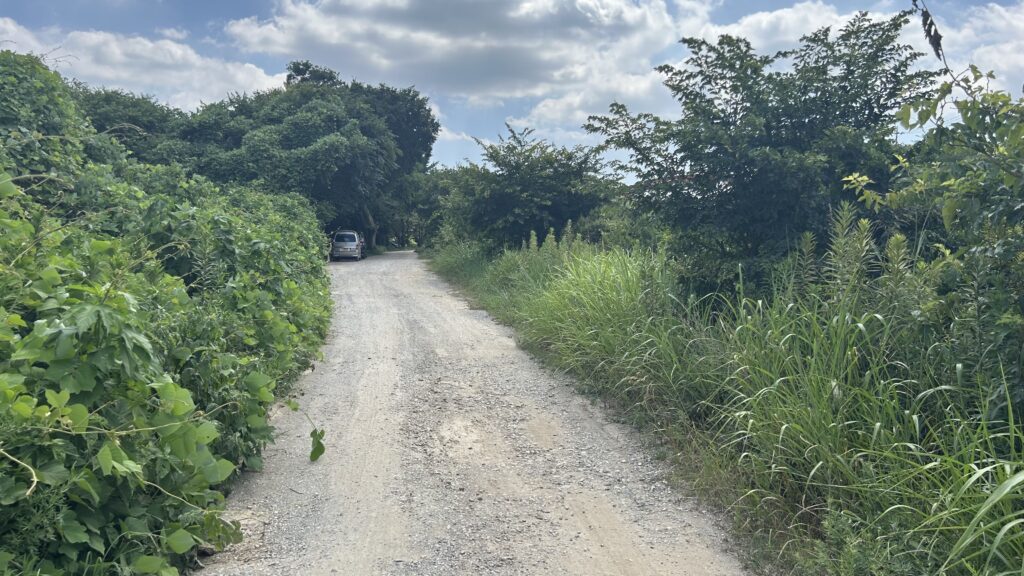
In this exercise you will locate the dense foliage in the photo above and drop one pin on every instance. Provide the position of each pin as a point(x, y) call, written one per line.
point(146, 318)
point(525, 184)
point(762, 143)
point(143, 125)
point(834, 337)
point(352, 149)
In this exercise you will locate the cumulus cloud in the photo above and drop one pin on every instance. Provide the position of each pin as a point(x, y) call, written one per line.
point(447, 135)
point(572, 57)
point(990, 36)
point(771, 31)
point(466, 48)
point(173, 33)
point(171, 70)
point(18, 38)
point(546, 64)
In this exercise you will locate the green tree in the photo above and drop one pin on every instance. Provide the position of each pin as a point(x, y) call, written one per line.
point(305, 72)
point(762, 143)
point(349, 148)
point(524, 185)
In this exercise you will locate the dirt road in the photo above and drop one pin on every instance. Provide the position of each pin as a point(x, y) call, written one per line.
point(451, 451)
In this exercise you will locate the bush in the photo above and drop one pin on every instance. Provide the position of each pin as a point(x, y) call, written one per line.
point(146, 320)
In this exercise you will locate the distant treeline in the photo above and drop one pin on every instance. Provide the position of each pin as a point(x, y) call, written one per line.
point(354, 150)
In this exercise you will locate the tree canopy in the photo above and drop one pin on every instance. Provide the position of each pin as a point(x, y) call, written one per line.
point(348, 147)
point(758, 152)
point(524, 185)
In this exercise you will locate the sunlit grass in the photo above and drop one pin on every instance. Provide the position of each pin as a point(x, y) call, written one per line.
point(847, 436)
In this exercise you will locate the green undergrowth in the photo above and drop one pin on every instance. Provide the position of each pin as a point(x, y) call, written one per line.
point(147, 321)
point(842, 422)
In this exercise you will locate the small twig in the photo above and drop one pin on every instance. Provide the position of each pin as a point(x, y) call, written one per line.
point(196, 417)
point(170, 495)
point(35, 478)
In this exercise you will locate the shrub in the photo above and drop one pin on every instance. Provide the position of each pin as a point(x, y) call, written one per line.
point(146, 320)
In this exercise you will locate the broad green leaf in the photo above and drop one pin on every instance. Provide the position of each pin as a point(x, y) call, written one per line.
point(180, 541)
point(57, 399)
point(74, 532)
point(15, 321)
point(11, 380)
point(78, 417)
point(903, 116)
point(224, 469)
point(11, 490)
point(50, 275)
point(84, 378)
point(256, 421)
point(265, 395)
point(96, 543)
point(176, 399)
point(53, 473)
point(66, 344)
point(147, 564)
point(105, 459)
point(218, 471)
point(206, 432)
point(127, 466)
point(949, 210)
point(85, 483)
point(257, 380)
point(24, 407)
point(317, 449)
point(7, 187)
point(100, 246)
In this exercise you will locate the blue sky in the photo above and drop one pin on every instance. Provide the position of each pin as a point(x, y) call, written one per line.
point(544, 64)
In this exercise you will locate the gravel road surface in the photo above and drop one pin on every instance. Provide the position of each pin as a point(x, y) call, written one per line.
point(451, 451)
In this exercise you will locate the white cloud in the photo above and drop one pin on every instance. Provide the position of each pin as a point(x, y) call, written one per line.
point(990, 36)
point(447, 135)
point(546, 64)
point(780, 29)
point(172, 71)
point(484, 51)
point(173, 33)
point(18, 38)
point(573, 57)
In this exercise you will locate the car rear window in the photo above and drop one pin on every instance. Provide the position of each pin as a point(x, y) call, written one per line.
point(344, 237)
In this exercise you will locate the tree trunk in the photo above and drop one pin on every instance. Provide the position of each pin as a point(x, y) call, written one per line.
point(372, 225)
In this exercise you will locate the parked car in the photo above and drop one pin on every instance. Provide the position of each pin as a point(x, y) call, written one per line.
point(348, 244)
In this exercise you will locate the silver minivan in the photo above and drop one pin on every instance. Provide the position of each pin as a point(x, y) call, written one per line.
point(348, 244)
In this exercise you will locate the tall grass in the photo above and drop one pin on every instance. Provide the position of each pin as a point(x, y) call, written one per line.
point(849, 433)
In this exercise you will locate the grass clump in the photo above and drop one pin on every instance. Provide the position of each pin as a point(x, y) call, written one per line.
point(841, 419)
